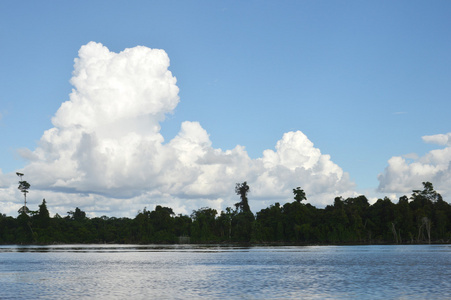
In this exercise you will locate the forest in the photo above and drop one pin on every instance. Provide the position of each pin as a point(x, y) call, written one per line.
point(424, 217)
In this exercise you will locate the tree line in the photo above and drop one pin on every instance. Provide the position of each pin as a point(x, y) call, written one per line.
point(424, 217)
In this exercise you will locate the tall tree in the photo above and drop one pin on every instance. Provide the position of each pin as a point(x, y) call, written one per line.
point(23, 187)
point(43, 211)
point(241, 189)
point(43, 216)
point(243, 220)
point(299, 194)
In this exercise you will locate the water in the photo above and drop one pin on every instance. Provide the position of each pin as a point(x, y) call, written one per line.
point(200, 272)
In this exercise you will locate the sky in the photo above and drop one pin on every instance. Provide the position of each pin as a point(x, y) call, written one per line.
point(113, 106)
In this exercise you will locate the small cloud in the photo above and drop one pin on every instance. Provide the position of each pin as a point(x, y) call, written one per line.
point(438, 139)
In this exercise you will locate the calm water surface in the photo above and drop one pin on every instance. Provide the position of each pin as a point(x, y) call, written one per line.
point(213, 272)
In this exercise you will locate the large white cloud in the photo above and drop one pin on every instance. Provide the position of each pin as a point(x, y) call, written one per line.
point(404, 174)
point(106, 155)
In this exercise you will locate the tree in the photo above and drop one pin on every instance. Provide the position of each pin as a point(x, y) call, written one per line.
point(404, 220)
point(78, 215)
point(242, 222)
point(43, 211)
point(427, 194)
point(381, 216)
point(241, 189)
point(163, 224)
point(224, 222)
point(43, 215)
point(422, 204)
point(23, 187)
point(270, 221)
point(299, 194)
point(204, 224)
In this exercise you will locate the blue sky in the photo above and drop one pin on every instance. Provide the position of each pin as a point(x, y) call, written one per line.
point(363, 81)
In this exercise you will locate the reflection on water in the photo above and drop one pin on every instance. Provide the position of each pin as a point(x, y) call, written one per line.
point(120, 248)
point(225, 272)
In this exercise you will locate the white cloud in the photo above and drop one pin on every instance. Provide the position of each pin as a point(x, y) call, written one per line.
point(105, 153)
point(296, 162)
point(439, 139)
point(402, 176)
point(3, 180)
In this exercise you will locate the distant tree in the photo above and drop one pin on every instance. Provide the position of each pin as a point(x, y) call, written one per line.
point(24, 233)
point(23, 187)
point(204, 213)
point(242, 221)
point(429, 212)
point(182, 225)
point(164, 210)
point(43, 211)
point(162, 224)
point(77, 215)
point(241, 189)
point(404, 220)
point(270, 221)
point(424, 218)
point(204, 224)
point(427, 194)
point(382, 215)
point(144, 227)
point(224, 222)
point(299, 194)
point(441, 218)
point(43, 215)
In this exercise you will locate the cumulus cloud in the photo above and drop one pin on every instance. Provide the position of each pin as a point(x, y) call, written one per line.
point(106, 155)
point(295, 162)
point(4, 180)
point(403, 175)
point(439, 139)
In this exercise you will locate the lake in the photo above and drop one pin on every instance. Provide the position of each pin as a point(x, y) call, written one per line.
point(220, 272)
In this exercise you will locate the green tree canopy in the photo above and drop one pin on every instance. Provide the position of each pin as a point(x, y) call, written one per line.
point(241, 189)
point(77, 215)
point(299, 194)
point(43, 211)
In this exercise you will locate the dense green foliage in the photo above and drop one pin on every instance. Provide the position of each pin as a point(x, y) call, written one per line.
point(424, 218)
